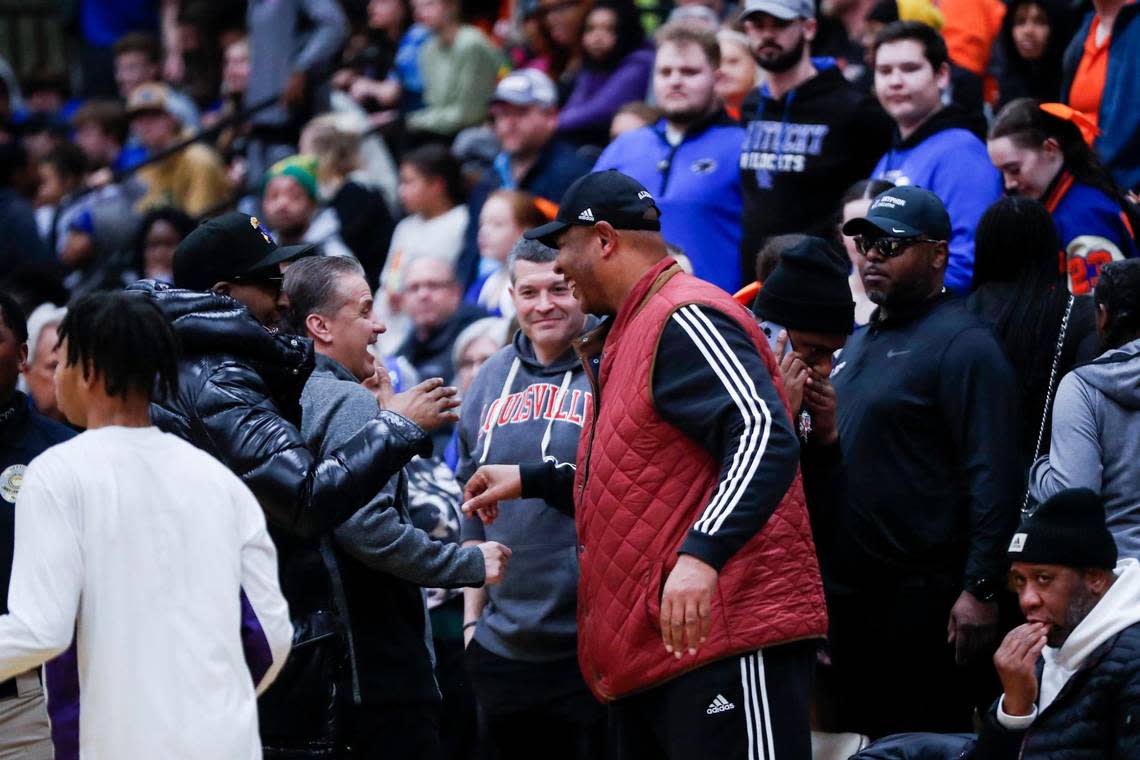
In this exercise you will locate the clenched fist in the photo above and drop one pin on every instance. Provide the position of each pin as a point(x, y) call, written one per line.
point(495, 558)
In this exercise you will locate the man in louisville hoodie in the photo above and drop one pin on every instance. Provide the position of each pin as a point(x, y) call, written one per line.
point(1071, 674)
point(527, 405)
point(810, 132)
point(936, 147)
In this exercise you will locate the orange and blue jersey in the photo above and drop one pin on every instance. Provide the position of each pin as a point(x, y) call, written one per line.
point(1093, 229)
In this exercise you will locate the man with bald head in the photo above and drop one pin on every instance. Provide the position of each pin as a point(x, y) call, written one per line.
point(699, 591)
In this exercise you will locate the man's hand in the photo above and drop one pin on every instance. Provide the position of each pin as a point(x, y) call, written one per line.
point(822, 403)
point(491, 484)
point(293, 96)
point(1016, 663)
point(686, 605)
point(495, 557)
point(972, 627)
point(428, 405)
point(794, 371)
point(380, 386)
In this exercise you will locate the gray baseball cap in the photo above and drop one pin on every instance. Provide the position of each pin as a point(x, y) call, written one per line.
point(781, 9)
point(526, 87)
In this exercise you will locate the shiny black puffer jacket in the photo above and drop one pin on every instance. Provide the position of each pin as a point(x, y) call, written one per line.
point(239, 392)
point(1096, 715)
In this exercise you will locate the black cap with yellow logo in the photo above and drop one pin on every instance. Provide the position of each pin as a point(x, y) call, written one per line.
point(233, 247)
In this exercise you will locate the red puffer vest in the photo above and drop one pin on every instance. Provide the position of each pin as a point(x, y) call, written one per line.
point(640, 486)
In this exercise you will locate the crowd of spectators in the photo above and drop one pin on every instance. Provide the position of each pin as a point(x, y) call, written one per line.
point(929, 208)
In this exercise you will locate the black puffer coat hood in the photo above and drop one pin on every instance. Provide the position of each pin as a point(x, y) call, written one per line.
point(238, 399)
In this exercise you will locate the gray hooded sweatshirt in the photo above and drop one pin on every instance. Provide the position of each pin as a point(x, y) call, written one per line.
point(1096, 441)
point(518, 411)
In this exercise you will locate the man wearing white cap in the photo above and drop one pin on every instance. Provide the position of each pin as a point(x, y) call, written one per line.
point(524, 112)
point(810, 132)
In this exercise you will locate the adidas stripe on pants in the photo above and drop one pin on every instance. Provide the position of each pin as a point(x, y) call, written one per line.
point(747, 707)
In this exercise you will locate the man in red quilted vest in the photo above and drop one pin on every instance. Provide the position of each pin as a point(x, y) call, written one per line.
point(699, 597)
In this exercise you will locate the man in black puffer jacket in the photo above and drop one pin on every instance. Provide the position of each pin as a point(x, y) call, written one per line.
point(239, 399)
point(1071, 674)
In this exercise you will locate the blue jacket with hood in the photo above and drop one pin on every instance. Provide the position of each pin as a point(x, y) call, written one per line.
point(696, 184)
point(946, 156)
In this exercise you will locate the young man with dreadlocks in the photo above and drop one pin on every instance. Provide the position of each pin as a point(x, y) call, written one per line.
point(149, 552)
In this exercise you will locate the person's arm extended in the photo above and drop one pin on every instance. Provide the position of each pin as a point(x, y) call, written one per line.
point(329, 32)
point(724, 399)
point(377, 537)
point(266, 631)
point(1074, 458)
point(301, 493)
point(47, 571)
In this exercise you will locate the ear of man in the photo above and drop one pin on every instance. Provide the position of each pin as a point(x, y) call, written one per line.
point(318, 328)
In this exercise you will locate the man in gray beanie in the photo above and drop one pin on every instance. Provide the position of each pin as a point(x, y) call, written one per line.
point(1071, 673)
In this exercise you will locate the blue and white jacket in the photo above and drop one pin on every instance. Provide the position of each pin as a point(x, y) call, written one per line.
point(946, 157)
point(696, 185)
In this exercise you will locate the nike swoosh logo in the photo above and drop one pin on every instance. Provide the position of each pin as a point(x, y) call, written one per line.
point(897, 231)
point(892, 353)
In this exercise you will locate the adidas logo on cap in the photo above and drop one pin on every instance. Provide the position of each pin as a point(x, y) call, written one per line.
point(586, 216)
point(719, 705)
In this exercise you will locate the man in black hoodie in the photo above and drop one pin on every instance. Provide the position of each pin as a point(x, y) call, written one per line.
point(810, 133)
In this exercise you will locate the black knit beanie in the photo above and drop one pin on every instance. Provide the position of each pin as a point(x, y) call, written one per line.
point(1067, 529)
point(808, 290)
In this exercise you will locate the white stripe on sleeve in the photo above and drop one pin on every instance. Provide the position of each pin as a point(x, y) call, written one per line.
point(757, 419)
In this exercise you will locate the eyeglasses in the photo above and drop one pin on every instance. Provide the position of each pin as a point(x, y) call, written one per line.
point(888, 247)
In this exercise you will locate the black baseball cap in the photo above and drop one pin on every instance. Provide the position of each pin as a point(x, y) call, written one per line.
point(231, 247)
point(903, 212)
point(608, 196)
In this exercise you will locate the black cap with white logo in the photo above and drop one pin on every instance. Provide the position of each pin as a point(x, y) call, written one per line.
point(903, 212)
point(608, 196)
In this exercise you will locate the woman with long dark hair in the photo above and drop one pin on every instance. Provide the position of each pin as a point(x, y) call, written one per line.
point(1096, 418)
point(1043, 153)
point(1018, 289)
point(616, 68)
point(1034, 34)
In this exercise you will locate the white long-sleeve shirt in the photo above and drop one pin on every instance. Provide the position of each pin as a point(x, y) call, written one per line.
point(157, 558)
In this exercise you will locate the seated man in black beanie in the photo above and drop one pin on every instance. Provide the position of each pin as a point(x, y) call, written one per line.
point(1071, 674)
point(806, 310)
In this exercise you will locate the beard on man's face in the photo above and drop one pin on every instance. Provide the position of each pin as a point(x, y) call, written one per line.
point(779, 62)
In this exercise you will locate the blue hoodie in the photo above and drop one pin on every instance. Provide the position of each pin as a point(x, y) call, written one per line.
point(520, 411)
point(946, 157)
point(696, 184)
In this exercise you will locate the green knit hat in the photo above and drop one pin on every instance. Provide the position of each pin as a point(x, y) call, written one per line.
point(301, 168)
